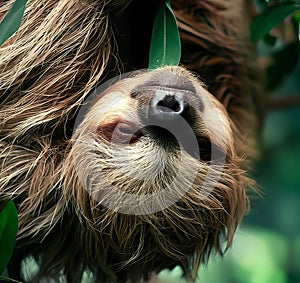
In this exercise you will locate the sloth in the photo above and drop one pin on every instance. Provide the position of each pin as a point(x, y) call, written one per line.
point(149, 172)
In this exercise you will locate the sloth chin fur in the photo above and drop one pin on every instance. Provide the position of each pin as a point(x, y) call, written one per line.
point(155, 173)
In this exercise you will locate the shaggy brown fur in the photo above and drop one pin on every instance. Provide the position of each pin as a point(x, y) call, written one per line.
point(62, 51)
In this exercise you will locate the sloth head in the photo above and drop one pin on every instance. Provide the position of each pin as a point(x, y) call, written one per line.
point(154, 175)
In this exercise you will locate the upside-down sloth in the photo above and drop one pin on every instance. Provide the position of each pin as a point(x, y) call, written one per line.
point(154, 172)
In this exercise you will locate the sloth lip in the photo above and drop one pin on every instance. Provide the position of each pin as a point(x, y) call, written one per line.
point(120, 132)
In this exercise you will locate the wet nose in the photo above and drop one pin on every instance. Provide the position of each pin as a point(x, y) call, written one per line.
point(167, 105)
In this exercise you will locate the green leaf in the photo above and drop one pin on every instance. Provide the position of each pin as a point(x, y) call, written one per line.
point(265, 22)
point(8, 232)
point(12, 21)
point(165, 46)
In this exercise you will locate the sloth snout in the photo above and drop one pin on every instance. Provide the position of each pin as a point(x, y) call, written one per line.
point(167, 96)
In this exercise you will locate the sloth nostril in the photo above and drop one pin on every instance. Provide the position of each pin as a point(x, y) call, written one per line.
point(169, 104)
point(166, 106)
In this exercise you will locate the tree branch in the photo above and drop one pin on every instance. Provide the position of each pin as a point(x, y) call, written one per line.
point(283, 102)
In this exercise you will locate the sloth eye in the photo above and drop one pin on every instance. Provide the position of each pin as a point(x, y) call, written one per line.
point(203, 152)
point(205, 148)
point(209, 150)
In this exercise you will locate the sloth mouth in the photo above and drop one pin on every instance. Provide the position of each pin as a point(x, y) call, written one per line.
point(120, 132)
point(128, 133)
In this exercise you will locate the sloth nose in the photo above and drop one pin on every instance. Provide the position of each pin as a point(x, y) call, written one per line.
point(167, 105)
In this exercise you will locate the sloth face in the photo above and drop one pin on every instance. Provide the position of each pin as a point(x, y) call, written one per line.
point(156, 132)
point(153, 170)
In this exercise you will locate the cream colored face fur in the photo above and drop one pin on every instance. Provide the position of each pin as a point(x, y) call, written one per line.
point(121, 165)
